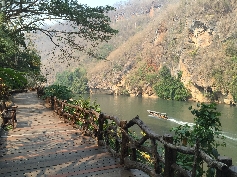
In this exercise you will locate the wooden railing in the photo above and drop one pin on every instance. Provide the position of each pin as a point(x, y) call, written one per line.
point(114, 133)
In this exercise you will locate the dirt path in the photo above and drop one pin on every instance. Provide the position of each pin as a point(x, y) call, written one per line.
point(43, 145)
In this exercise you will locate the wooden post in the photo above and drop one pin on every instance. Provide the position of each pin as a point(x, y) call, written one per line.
point(55, 104)
point(100, 131)
point(4, 105)
point(196, 158)
point(228, 162)
point(233, 171)
point(74, 118)
point(106, 135)
point(134, 154)
point(170, 157)
point(125, 141)
point(155, 154)
point(64, 117)
point(1, 106)
point(86, 123)
point(61, 109)
point(52, 102)
point(117, 145)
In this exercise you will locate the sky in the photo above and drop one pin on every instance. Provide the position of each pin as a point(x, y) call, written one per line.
point(94, 3)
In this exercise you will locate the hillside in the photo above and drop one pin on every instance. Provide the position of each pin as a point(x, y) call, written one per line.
point(195, 37)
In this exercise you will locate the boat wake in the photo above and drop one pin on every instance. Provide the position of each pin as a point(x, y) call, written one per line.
point(181, 122)
point(230, 136)
point(175, 121)
point(227, 135)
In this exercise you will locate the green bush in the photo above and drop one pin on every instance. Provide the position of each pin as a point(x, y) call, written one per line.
point(61, 92)
point(13, 79)
point(76, 81)
point(205, 134)
point(169, 87)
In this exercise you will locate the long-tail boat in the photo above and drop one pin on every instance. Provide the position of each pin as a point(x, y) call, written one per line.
point(158, 114)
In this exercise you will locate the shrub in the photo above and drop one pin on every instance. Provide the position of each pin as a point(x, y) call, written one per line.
point(205, 134)
point(169, 87)
point(61, 92)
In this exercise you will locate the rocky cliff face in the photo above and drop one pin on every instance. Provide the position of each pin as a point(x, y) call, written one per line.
point(195, 37)
point(192, 39)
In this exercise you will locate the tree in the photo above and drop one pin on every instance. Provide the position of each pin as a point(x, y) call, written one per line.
point(9, 44)
point(18, 18)
point(88, 23)
point(76, 81)
point(61, 92)
point(169, 87)
point(11, 79)
point(13, 58)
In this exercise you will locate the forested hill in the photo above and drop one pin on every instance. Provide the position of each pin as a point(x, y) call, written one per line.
point(196, 37)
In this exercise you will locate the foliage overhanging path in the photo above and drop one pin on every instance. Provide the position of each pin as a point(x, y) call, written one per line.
point(88, 23)
point(19, 20)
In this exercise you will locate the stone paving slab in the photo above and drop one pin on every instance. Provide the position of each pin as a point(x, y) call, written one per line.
point(42, 145)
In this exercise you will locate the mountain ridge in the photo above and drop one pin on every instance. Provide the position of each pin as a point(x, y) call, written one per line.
point(195, 37)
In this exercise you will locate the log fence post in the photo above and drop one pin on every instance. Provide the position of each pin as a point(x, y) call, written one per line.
point(62, 108)
point(228, 162)
point(59, 108)
point(125, 141)
point(157, 165)
point(233, 171)
point(134, 154)
point(64, 117)
point(55, 104)
point(117, 145)
point(170, 157)
point(100, 131)
point(52, 102)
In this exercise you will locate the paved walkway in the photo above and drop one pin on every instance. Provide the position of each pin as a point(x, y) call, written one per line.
point(42, 145)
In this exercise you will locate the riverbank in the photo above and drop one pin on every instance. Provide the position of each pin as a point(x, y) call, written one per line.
point(196, 97)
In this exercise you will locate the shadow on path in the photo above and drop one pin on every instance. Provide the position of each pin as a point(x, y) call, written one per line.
point(43, 145)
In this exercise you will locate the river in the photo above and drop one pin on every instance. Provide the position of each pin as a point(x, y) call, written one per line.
point(127, 108)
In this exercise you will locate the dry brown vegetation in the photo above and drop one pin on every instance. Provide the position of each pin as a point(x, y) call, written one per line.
point(197, 37)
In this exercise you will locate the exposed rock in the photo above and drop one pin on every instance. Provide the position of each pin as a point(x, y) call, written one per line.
point(200, 34)
point(193, 42)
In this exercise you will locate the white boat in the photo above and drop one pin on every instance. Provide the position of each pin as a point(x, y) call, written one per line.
point(158, 114)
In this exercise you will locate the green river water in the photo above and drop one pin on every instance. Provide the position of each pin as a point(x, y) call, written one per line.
point(126, 108)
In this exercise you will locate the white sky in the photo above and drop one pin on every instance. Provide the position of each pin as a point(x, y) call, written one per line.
point(94, 3)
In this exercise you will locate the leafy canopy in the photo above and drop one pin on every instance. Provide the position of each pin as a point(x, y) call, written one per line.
point(76, 81)
point(17, 61)
point(19, 18)
point(88, 23)
point(12, 78)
